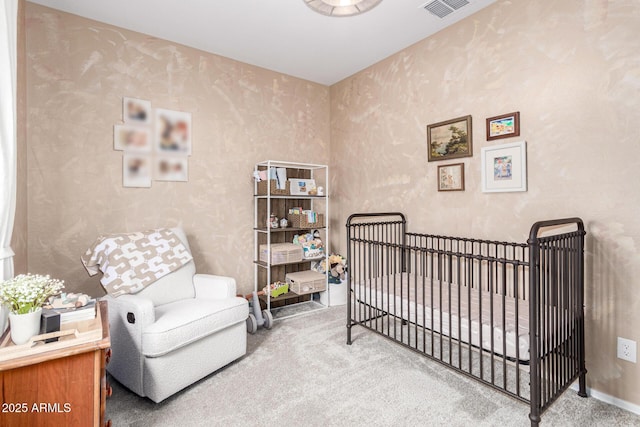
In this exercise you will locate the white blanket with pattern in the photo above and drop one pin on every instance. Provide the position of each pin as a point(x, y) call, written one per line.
point(132, 261)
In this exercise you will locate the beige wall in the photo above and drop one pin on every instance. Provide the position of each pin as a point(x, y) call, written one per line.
point(572, 69)
point(78, 71)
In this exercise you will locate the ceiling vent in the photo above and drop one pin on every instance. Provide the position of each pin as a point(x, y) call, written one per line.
point(442, 8)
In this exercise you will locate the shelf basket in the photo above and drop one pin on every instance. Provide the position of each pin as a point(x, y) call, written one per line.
point(262, 188)
point(300, 221)
point(306, 282)
point(281, 253)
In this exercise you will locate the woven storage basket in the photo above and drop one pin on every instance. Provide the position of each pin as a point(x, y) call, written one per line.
point(281, 253)
point(262, 188)
point(306, 282)
point(300, 221)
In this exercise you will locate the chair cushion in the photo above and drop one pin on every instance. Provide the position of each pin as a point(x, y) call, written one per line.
point(176, 285)
point(182, 322)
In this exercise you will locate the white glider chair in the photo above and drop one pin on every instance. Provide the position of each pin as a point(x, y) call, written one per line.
point(176, 331)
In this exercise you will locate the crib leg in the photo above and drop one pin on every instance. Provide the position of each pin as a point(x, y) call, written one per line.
point(582, 392)
point(349, 333)
point(535, 420)
point(535, 413)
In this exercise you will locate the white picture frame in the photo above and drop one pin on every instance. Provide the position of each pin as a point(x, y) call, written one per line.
point(136, 111)
point(301, 187)
point(136, 170)
point(173, 132)
point(130, 138)
point(504, 168)
point(171, 168)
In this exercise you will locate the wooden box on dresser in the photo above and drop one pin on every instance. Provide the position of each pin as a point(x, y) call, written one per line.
point(60, 383)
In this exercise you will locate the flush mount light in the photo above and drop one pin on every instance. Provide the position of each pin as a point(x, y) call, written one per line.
point(342, 7)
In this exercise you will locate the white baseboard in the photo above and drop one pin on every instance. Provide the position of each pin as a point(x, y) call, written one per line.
point(631, 407)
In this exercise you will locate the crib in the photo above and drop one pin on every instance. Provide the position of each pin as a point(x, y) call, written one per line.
point(509, 315)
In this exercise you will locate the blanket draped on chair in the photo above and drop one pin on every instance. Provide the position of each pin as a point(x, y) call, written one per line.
point(132, 261)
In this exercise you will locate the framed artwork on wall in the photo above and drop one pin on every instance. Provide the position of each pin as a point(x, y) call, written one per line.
point(504, 126)
point(451, 177)
point(450, 139)
point(132, 138)
point(171, 168)
point(136, 170)
point(504, 168)
point(136, 111)
point(173, 132)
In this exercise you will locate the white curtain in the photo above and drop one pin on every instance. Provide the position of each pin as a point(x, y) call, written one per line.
point(8, 145)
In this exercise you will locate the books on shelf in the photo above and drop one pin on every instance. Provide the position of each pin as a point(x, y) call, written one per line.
point(73, 307)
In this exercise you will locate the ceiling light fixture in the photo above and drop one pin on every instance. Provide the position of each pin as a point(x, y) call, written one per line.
point(342, 7)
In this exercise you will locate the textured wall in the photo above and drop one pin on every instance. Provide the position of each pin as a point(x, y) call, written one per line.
point(78, 71)
point(572, 69)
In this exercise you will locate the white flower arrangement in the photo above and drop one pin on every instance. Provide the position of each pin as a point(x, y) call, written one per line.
point(26, 293)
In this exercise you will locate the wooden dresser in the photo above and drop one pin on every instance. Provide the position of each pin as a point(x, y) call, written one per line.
point(60, 383)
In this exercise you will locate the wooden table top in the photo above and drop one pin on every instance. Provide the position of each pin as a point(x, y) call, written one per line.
point(74, 338)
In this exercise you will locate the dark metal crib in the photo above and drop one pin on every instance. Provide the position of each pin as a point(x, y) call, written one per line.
point(497, 312)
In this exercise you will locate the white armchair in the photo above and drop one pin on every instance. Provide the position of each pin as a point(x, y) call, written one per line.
point(176, 331)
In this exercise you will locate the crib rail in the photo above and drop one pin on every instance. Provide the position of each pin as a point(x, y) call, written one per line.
point(495, 311)
point(557, 338)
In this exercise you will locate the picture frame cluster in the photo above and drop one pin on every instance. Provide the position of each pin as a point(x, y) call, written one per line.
point(156, 144)
point(504, 166)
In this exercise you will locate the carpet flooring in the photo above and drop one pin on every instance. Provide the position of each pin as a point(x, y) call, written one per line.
point(302, 373)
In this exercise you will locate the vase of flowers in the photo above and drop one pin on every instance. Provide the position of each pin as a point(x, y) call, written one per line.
point(24, 296)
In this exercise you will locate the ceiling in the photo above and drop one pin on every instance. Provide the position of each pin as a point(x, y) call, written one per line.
point(281, 35)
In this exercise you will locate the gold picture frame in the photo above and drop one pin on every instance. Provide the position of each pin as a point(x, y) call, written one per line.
point(450, 139)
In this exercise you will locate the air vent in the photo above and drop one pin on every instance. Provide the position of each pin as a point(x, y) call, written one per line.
point(442, 8)
point(456, 4)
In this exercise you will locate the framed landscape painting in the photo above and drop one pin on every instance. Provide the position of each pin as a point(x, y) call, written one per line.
point(450, 139)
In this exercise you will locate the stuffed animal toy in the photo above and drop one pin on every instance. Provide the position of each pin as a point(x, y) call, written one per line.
point(319, 266)
point(337, 273)
point(300, 239)
point(336, 259)
point(312, 245)
point(338, 269)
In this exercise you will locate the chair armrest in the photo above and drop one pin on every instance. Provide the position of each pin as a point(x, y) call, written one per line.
point(129, 315)
point(141, 308)
point(214, 287)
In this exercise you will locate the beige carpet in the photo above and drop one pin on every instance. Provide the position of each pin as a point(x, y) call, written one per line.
point(301, 373)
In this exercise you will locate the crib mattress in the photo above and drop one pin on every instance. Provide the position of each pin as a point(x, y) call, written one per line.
point(455, 311)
